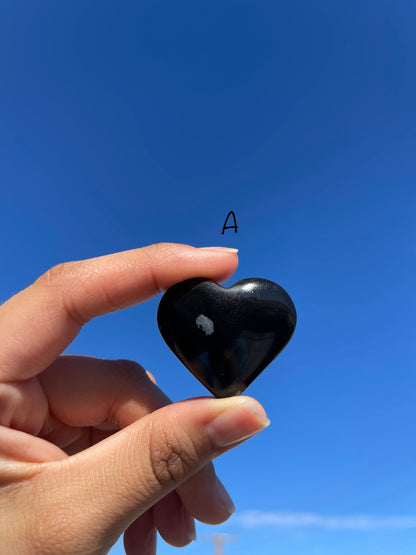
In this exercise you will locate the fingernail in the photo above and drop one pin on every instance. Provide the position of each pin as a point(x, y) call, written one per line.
point(240, 419)
point(150, 545)
point(191, 530)
point(218, 249)
point(188, 524)
point(223, 496)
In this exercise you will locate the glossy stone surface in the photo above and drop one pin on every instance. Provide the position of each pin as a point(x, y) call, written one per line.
point(226, 336)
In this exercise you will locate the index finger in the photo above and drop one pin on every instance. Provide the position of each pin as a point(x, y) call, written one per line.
point(38, 323)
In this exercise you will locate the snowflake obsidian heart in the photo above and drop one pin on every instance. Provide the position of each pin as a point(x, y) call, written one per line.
point(226, 336)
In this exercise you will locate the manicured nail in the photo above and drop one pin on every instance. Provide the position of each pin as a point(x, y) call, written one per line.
point(191, 530)
point(240, 419)
point(223, 496)
point(188, 524)
point(219, 249)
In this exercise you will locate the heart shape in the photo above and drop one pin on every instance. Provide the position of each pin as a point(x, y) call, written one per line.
point(226, 336)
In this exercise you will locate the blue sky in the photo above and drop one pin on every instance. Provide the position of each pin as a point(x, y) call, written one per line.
point(125, 124)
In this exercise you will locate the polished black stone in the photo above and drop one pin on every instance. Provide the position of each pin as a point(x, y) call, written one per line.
point(226, 336)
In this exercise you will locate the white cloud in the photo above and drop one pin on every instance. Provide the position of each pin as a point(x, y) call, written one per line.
point(256, 519)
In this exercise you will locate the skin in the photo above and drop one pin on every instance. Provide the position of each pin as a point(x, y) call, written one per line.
point(90, 448)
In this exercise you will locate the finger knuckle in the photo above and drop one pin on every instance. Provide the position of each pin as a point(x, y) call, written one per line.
point(60, 283)
point(58, 273)
point(163, 246)
point(134, 376)
point(172, 459)
point(126, 370)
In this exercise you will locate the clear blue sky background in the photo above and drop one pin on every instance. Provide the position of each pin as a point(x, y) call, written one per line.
point(128, 123)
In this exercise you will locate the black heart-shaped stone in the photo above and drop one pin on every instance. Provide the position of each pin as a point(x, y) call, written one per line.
point(226, 336)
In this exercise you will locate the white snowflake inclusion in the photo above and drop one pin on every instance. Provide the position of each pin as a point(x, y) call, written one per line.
point(205, 324)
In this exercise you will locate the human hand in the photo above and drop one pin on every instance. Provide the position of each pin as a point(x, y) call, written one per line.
point(91, 448)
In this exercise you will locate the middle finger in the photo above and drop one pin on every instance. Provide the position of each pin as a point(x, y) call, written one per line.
point(88, 391)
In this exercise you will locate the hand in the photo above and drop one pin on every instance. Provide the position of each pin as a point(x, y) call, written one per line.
point(91, 448)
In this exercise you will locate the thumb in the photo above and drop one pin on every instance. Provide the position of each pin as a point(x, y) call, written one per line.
point(119, 479)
